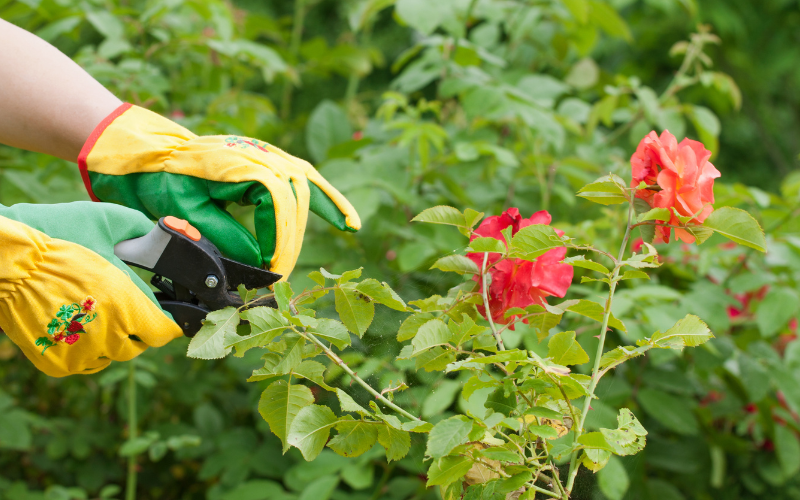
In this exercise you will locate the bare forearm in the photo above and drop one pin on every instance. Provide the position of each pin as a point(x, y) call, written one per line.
point(48, 104)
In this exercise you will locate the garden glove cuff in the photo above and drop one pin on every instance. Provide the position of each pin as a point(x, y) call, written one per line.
point(144, 161)
point(68, 303)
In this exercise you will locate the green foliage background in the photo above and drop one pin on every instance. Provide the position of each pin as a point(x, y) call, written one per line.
point(492, 103)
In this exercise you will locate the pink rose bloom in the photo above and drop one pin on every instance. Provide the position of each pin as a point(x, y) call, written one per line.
point(683, 173)
point(517, 282)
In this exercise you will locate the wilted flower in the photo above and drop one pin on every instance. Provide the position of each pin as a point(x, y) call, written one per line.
point(683, 174)
point(517, 282)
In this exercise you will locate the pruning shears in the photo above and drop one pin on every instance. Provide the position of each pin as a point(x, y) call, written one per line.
point(192, 275)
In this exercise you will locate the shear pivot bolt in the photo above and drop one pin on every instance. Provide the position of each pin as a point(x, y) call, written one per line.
point(212, 281)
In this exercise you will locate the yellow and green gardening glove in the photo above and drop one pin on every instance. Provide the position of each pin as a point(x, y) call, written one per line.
point(144, 161)
point(65, 299)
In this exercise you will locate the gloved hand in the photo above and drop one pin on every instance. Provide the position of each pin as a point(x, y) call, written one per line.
point(65, 299)
point(144, 161)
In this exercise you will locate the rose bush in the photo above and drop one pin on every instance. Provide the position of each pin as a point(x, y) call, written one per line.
point(527, 435)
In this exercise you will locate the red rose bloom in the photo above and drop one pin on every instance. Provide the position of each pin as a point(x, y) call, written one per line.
point(517, 282)
point(75, 326)
point(683, 173)
point(71, 339)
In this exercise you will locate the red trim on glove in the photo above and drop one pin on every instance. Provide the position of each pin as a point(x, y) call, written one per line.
point(91, 141)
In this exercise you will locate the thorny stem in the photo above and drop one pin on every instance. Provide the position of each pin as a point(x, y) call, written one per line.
point(508, 439)
point(497, 336)
point(560, 487)
point(596, 373)
point(306, 293)
point(544, 491)
point(592, 249)
point(336, 359)
point(130, 486)
point(564, 394)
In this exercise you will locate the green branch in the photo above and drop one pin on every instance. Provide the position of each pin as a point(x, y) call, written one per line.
point(496, 334)
point(596, 373)
point(336, 359)
point(130, 486)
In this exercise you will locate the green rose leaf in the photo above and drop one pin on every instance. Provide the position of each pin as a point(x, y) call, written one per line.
point(501, 403)
point(595, 311)
point(348, 404)
point(280, 404)
point(543, 431)
point(432, 333)
point(447, 470)
point(349, 276)
point(634, 275)
point(434, 360)
point(472, 217)
point(456, 264)
point(608, 190)
point(266, 323)
point(355, 309)
point(209, 342)
point(283, 295)
point(411, 325)
point(486, 245)
point(660, 214)
point(396, 441)
point(565, 350)
point(532, 241)
point(310, 430)
point(313, 371)
point(448, 434)
point(382, 294)
point(441, 215)
point(581, 261)
point(688, 332)
point(737, 225)
point(621, 354)
point(355, 437)
point(332, 331)
point(594, 440)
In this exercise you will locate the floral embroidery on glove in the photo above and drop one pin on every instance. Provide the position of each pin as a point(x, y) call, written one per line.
point(69, 323)
point(243, 143)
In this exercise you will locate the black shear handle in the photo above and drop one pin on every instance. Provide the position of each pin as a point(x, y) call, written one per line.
point(188, 316)
point(193, 276)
